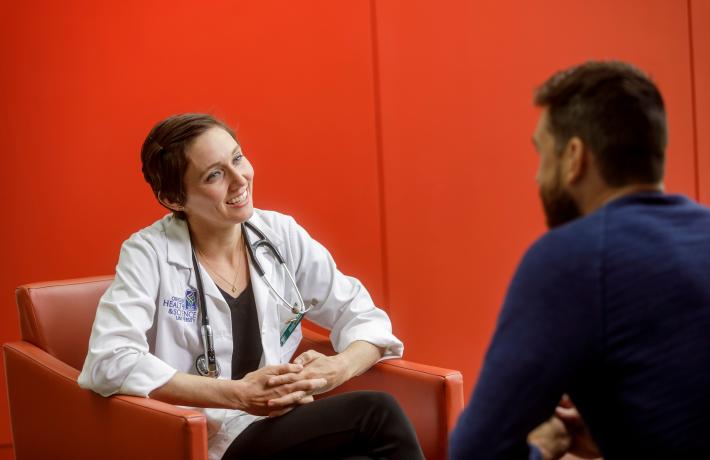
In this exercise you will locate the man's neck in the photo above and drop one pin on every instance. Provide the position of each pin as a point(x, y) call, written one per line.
point(610, 194)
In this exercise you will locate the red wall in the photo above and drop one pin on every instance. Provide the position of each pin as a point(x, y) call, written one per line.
point(461, 205)
point(397, 132)
point(83, 82)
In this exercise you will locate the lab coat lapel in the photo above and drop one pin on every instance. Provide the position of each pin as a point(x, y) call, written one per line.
point(266, 302)
point(178, 242)
point(211, 288)
point(215, 304)
point(179, 252)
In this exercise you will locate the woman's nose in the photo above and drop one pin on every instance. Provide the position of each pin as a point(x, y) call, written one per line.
point(236, 175)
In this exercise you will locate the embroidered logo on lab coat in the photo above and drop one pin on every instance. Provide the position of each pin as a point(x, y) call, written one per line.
point(182, 309)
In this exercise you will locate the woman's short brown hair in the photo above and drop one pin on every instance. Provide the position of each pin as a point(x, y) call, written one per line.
point(164, 154)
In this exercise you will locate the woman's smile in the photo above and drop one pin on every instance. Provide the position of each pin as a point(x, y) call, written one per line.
point(239, 200)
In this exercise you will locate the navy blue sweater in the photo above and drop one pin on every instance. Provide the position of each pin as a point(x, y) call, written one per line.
point(614, 310)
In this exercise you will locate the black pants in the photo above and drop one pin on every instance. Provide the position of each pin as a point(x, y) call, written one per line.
point(358, 425)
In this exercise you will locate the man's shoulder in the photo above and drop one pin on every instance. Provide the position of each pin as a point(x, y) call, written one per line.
point(580, 237)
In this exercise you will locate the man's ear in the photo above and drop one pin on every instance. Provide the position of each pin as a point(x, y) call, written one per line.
point(172, 205)
point(575, 160)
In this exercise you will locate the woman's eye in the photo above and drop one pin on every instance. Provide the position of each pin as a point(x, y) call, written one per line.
point(237, 158)
point(212, 176)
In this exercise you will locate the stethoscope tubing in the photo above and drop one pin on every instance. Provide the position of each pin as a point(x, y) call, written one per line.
point(300, 307)
point(206, 364)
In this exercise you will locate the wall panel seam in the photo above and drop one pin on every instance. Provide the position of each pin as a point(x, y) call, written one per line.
point(693, 102)
point(379, 154)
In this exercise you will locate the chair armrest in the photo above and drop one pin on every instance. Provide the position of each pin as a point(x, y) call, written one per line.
point(52, 417)
point(432, 397)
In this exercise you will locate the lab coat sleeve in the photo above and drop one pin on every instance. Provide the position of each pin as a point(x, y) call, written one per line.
point(118, 360)
point(340, 303)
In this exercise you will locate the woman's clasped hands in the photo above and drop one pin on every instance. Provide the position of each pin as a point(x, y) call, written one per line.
point(275, 390)
point(278, 389)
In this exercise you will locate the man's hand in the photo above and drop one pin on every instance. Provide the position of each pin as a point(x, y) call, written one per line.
point(552, 438)
point(582, 443)
point(256, 394)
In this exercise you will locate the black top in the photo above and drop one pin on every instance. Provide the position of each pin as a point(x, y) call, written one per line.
point(247, 350)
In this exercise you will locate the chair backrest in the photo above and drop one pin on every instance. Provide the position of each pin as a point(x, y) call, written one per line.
point(57, 316)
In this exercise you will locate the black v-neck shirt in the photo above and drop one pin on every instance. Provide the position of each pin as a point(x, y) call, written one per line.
point(247, 349)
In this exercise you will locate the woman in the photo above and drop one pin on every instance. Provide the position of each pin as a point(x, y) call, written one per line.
point(147, 333)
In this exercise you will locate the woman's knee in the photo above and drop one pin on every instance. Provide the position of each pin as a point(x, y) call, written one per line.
point(386, 422)
point(367, 399)
point(376, 407)
point(383, 400)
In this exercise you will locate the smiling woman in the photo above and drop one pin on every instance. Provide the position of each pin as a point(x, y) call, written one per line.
point(198, 264)
point(217, 182)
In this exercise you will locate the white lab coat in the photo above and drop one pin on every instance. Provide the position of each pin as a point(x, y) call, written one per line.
point(147, 324)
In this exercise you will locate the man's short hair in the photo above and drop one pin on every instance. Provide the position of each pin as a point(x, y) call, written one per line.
point(617, 111)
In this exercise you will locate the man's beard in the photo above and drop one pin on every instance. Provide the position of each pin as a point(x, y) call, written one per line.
point(559, 206)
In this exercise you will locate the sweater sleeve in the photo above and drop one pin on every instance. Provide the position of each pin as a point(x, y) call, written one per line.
point(547, 328)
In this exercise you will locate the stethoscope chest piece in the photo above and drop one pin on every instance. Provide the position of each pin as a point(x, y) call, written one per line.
point(203, 367)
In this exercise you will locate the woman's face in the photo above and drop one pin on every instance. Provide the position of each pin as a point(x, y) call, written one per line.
point(218, 181)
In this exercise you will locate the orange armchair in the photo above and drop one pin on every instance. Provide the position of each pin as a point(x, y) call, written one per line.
point(52, 417)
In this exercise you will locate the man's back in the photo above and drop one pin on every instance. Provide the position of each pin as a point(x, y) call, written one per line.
point(613, 309)
point(648, 388)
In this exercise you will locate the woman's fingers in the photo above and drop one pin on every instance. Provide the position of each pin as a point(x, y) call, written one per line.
point(280, 374)
point(285, 375)
point(296, 392)
point(284, 379)
point(270, 390)
point(288, 400)
point(280, 369)
point(307, 356)
point(306, 385)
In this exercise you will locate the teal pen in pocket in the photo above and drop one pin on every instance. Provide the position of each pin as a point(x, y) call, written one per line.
point(290, 327)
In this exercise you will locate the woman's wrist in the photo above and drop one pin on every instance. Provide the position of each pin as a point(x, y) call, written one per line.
point(358, 357)
point(232, 393)
point(346, 367)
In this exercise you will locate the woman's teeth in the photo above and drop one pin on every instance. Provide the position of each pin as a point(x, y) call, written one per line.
point(239, 199)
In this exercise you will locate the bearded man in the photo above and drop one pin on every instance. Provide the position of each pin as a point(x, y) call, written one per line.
point(612, 305)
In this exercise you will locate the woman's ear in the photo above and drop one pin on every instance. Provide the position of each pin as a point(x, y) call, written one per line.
point(172, 205)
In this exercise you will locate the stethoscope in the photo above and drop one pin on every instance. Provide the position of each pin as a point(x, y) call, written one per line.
point(206, 363)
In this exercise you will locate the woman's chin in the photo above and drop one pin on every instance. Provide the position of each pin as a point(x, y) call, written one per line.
point(241, 214)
